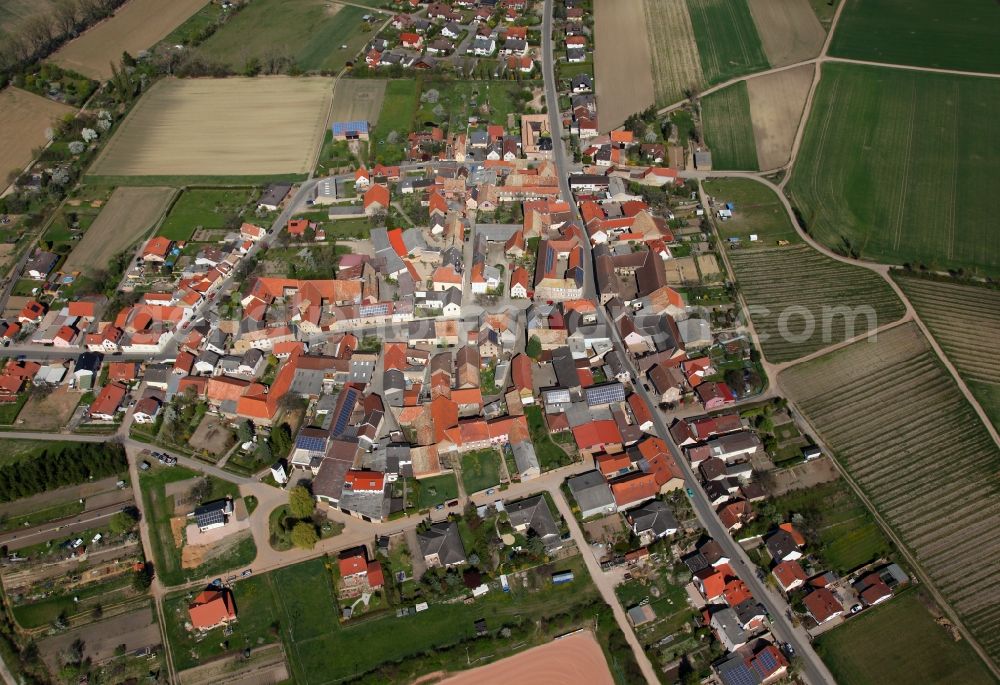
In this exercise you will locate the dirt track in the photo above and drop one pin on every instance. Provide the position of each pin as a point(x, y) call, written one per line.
point(568, 661)
point(624, 81)
point(136, 26)
point(24, 117)
point(776, 103)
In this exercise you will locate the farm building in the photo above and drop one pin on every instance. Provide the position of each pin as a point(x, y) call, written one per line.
point(350, 130)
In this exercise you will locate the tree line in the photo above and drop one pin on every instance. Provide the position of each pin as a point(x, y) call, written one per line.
point(57, 466)
point(41, 34)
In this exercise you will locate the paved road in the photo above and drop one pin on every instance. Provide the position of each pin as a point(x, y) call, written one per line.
point(814, 670)
point(559, 158)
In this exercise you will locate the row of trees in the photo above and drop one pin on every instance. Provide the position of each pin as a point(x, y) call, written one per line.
point(42, 33)
point(57, 466)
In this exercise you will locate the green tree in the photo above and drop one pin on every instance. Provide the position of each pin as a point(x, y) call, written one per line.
point(304, 535)
point(533, 348)
point(122, 522)
point(300, 502)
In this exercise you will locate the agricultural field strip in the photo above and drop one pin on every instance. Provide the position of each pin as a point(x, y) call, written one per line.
point(939, 212)
point(805, 281)
point(728, 43)
point(950, 310)
point(871, 392)
point(728, 129)
point(674, 51)
point(210, 122)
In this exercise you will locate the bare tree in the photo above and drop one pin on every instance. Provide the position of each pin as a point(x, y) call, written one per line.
point(65, 15)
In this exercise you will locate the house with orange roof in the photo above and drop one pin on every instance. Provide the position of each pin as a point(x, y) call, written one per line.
point(633, 489)
point(157, 249)
point(84, 309)
point(32, 312)
point(613, 465)
point(519, 282)
point(108, 402)
point(598, 436)
point(211, 609)
point(412, 41)
point(250, 232)
point(357, 573)
point(734, 514)
point(298, 227)
point(789, 575)
point(822, 605)
point(123, 372)
point(376, 199)
point(711, 581)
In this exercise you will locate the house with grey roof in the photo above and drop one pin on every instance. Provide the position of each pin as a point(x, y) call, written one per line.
point(441, 545)
point(727, 627)
point(592, 494)
point(652, 521)
point(532, 517)
point(525, 459)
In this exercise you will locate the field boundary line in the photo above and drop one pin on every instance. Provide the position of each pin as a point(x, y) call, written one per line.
point(906, 318)
point(894, 538)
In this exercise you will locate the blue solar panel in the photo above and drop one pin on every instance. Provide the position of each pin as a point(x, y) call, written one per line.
point(767, 660)
point(345, 412)
point(340, 127)
point(550, 256)
point(740, 675)
point(310, 442)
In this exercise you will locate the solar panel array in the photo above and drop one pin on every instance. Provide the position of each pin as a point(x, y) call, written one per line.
point(310, 442)
point(739, 674)
point(344, 416)
point(377, 309)
point(350, 127)
point(210, 518)
point(606, 394)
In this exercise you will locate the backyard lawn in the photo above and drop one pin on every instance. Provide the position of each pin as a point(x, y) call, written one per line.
point(550, 455)
point(430, 492)
point(480, 470)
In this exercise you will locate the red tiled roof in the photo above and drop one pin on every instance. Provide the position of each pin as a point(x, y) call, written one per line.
point(821, 604)
point(211, 608)
point(352, 564)
point(595, 433)
point(787, 572)
point(634, 487)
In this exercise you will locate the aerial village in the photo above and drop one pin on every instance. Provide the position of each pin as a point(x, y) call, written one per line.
point(511, 356)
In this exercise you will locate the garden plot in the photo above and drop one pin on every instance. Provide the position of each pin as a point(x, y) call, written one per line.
point(221, 127)
point(891, 414)
point(728, 130)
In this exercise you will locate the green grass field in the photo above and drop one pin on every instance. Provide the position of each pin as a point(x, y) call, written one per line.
point(896, 166)
point(961, 34)
point(728, 44)
point(205, 207)
point(480, 470)
point(728, 129)
point(310, 32)
point(803, 310)
point(758, 211)
point(296, 604)
point(951, 311)
point(436, 490)
point(861, 652)
point(398, 108)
